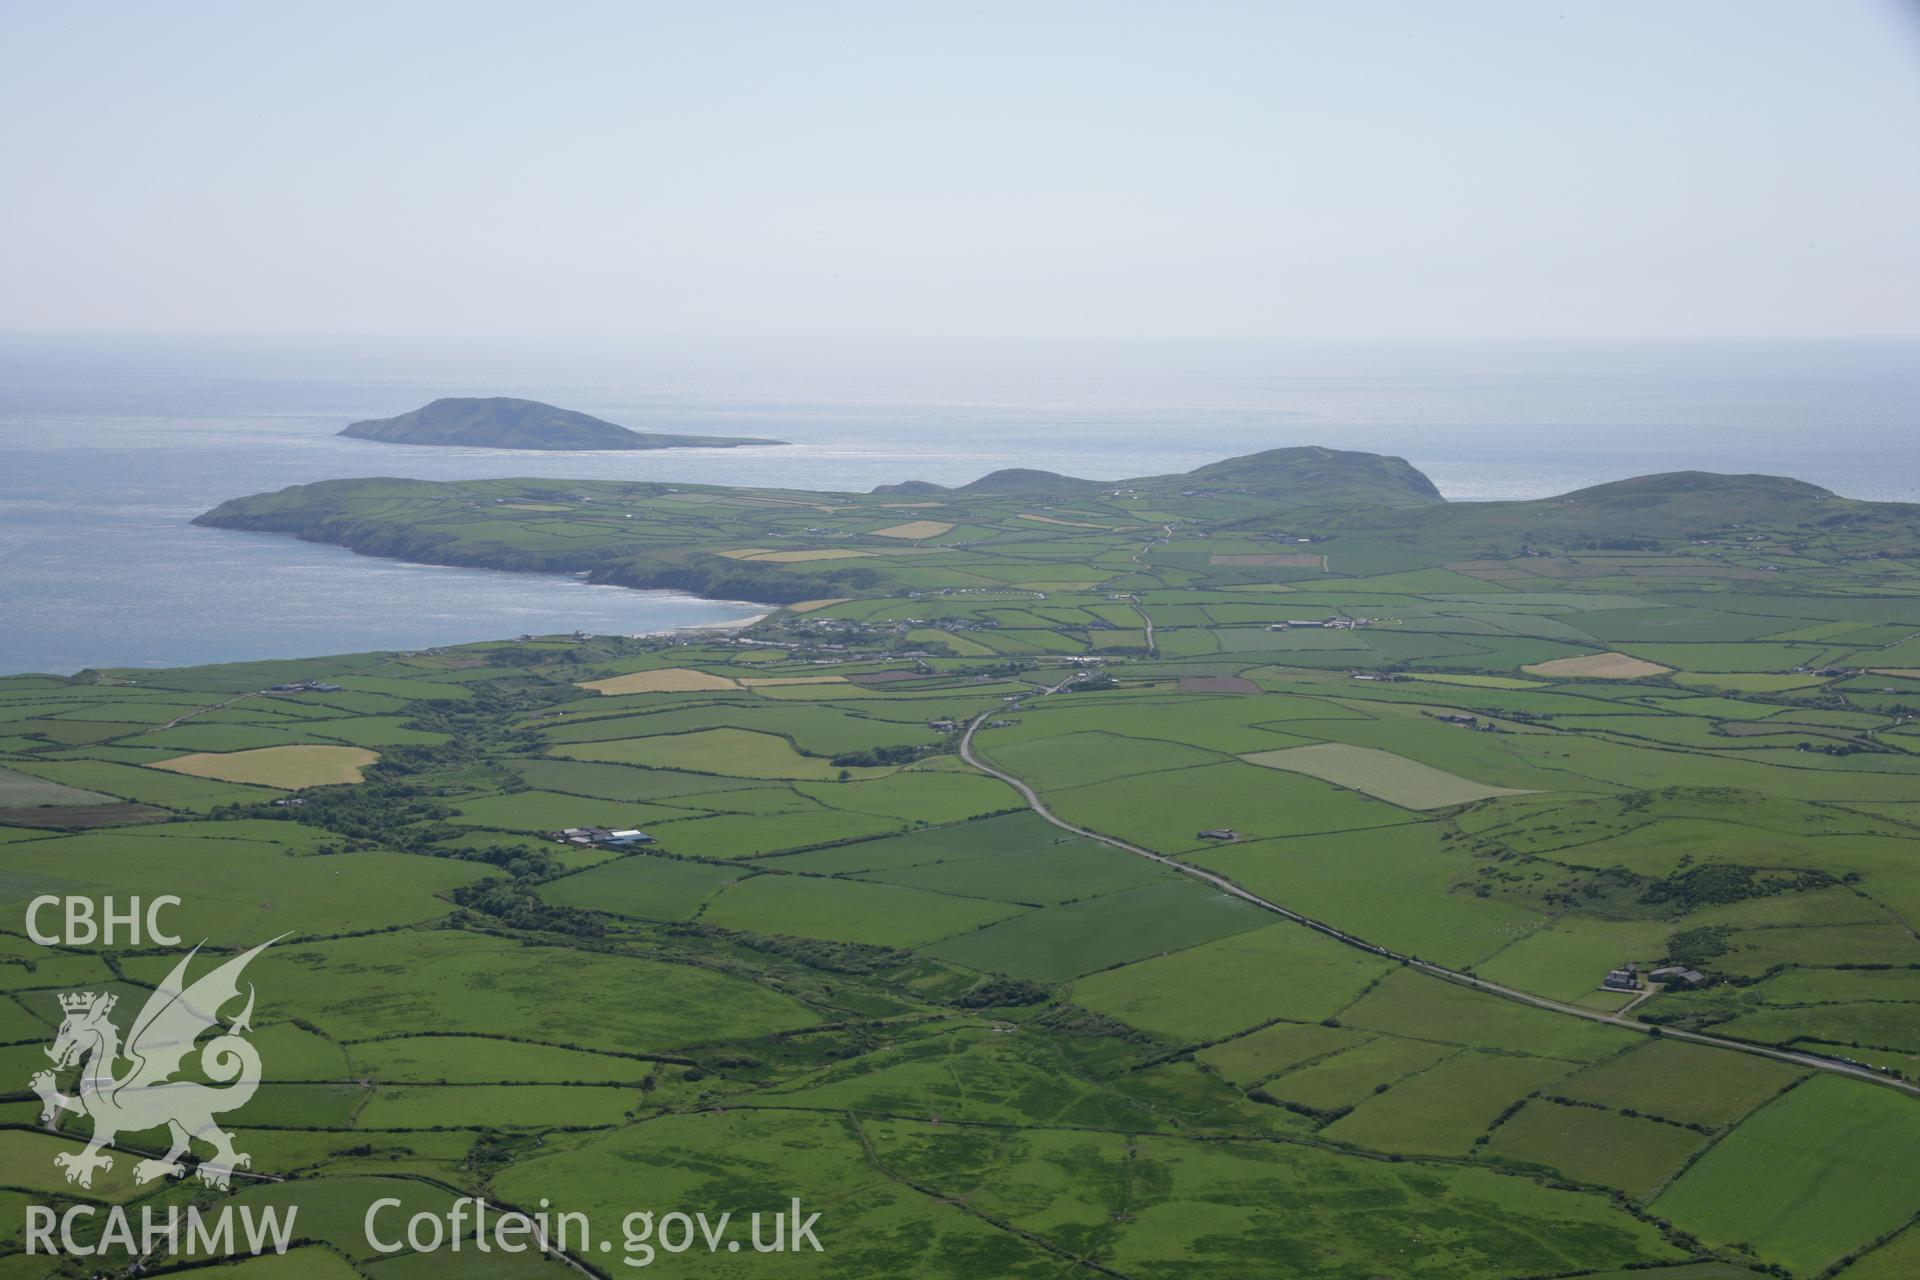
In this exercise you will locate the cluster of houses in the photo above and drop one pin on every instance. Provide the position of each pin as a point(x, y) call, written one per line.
point(305, 686)
point(601, 836)
point(949, 625)
point(1338, 622)
point(997, 593)
point(1627, 977)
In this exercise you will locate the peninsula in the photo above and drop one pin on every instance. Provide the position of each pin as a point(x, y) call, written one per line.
point(1092, 863)
point(1255, 523)
point(502, 422)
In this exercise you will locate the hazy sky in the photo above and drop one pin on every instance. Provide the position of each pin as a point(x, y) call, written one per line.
point(1472, 168)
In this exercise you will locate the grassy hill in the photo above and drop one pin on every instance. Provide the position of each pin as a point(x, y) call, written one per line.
point(1646, 512)
point(501, 422)
point(1308, 474)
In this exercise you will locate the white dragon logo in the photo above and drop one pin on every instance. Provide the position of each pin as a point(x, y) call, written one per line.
point(147, 1096)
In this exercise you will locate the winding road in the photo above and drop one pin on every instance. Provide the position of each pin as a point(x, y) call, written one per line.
point(1224, 885)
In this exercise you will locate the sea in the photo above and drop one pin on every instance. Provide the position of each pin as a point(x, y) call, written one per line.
point(110, 446)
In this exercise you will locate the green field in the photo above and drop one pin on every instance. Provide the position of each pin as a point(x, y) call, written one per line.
point(644, 887)
point(975, 1027)
point(1808, 1177)
point(1206, 992)
point(1078, 937)
point(1679, 1081)
point(1440, 1111)
point(849, 911)
point(1629, 1153)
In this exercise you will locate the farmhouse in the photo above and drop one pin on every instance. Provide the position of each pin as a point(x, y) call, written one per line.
point(1625, 978)
point(1218, 833)
point(305, 686)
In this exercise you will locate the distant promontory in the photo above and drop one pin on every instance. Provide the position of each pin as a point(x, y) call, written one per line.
point(501, 422)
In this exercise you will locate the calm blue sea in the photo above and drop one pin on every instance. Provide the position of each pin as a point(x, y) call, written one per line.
point(108, 448)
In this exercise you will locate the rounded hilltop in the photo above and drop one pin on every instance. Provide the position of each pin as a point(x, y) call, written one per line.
point(1301, 474)
point(503, 422)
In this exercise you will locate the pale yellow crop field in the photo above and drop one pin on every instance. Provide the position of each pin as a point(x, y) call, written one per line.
point(762, 556)
point(1599, 666)
point(914, 529)
point(1380, 774)
point(664, 680)
point(1071, 524)
point(288, 768)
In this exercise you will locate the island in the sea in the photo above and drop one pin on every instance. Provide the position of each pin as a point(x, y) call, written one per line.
point(502, 422)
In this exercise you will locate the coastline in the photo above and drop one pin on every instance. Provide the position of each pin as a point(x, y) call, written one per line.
point(737, 624)
point(298, 600)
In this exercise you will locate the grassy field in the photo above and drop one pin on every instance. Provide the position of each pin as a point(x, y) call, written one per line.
point(647, 888)
point(849, 911)
point(24, 791)
point(1208, 992)
point(1805, 1179)
point(1441, 1110)
point(852, 968)
point(685, 1004)
point(1631, 1154)
point(739, 753)
point(1065, 870)
point(1079, 937)
point(1259, 1055)
point(1684, 1082)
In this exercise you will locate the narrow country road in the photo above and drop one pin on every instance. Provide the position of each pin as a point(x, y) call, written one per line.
point(188, 715)
point(1145, 620)
point(1227, 886)
point(1133, 602)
